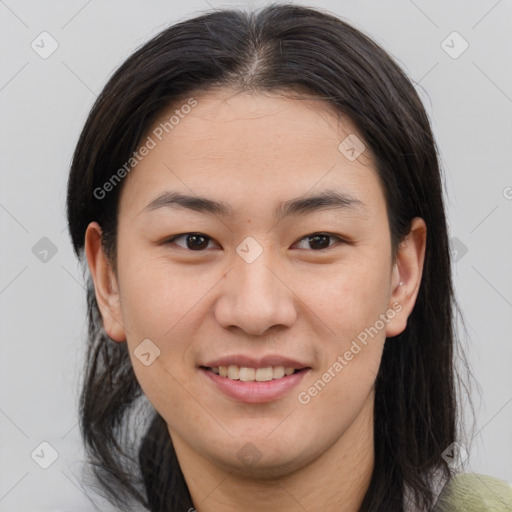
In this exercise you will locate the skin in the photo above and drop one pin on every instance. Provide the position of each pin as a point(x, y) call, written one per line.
point(254, 151)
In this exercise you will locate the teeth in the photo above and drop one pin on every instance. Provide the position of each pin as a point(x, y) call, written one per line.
point(278, 372)
point(263, 374)
point(246, 374)
point(252, 374)
point(233, 372)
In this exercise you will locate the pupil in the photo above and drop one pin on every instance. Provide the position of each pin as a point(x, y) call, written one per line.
point(194, 245)
point(196, 242)
point(315, 239)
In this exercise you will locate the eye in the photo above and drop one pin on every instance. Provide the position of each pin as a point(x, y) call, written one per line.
point(193, 241)
point(200, 241)
point(320, 241)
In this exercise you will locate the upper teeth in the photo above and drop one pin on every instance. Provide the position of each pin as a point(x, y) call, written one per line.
point(246, 374)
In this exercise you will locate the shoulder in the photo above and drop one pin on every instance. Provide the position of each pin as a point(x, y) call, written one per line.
point(474, 492)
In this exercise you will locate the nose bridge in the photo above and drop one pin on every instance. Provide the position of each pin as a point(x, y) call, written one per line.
point(256, 280)
point(255, 299)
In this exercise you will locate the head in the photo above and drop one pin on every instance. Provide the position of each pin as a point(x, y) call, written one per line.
point(263, 191)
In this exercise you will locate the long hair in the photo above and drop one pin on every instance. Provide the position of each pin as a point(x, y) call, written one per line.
point(277, 48)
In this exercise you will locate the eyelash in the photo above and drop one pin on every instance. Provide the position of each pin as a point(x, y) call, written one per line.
point(312, 235)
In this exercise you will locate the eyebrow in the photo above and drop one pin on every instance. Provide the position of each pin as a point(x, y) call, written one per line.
point(327, 200)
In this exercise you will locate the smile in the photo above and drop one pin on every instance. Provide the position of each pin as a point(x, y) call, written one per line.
point(246, 374)
point(254, 385)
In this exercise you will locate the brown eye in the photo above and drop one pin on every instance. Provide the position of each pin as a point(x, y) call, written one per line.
point(319, 241)
point(193, 241)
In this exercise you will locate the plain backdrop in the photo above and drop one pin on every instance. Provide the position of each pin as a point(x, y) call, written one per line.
point(465, 82)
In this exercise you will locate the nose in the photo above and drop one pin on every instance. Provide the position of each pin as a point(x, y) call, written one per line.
point(256, 296)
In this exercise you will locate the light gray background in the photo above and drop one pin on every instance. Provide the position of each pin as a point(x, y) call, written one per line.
point(44, 103)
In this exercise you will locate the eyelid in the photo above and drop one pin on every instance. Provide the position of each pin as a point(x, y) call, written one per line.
point(339, 240)
point(171, 240)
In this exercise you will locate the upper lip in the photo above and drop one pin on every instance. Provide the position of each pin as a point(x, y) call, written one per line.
point(251, 362)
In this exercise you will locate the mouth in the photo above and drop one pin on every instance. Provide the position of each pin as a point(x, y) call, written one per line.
point(257, 383)
point(248, 374)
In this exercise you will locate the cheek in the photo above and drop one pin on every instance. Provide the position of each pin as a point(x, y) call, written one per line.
point(159, 306)
point(350, 356)
point(157, 296)
point(350, 304)
point(348, 297)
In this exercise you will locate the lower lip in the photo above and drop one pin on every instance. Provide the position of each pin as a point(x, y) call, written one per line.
point(253, 391)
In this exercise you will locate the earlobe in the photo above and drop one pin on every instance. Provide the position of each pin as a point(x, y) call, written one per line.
point(407, 274)
point(105, 285)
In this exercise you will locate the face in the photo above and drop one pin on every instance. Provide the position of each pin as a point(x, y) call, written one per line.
point(254, 282)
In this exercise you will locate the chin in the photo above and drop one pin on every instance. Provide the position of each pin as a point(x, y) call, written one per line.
point(265, 468)
point(262, 458)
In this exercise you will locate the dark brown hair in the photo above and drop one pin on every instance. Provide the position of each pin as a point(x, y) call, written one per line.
point(278, 48)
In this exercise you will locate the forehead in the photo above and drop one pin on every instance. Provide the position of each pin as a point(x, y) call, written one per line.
point(261, 146)
point(246, 122)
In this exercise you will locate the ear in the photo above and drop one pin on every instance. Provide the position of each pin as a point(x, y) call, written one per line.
point(406, 276)
point(105, 285)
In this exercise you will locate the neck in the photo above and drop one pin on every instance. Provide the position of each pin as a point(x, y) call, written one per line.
point(335, 481)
